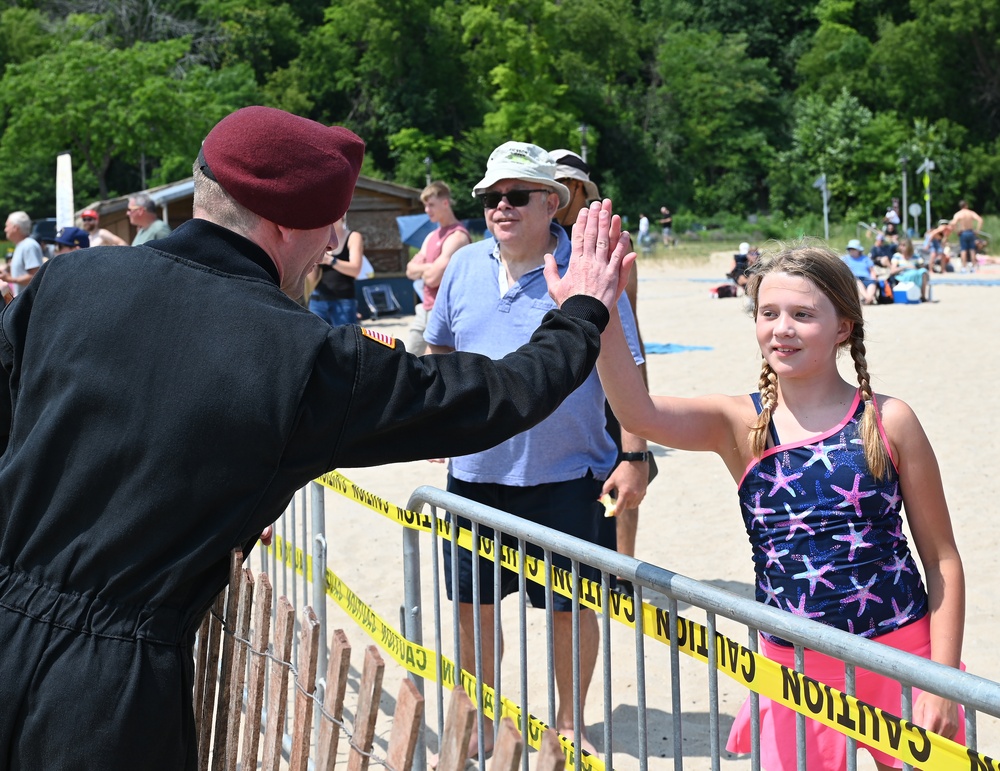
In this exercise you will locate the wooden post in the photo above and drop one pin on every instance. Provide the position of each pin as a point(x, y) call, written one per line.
point(333, 701)
point(239, 671)
point(211, 675)
point(551, 756)
point(367, 712)
point(278, 696)
point(508, 748)
point(304, 693)
point(406, 724)
point(225, 673)
point(258, 669)
point(454, 750)
point(200, 662)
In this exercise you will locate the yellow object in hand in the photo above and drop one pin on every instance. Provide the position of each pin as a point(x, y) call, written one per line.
point(610, 505)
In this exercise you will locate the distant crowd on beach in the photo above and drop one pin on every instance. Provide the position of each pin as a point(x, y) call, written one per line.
point(893, 262)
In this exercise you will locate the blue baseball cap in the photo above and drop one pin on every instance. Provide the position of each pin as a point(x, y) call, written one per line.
point(70, 236)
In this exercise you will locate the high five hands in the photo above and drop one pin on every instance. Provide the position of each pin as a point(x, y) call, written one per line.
point(601, 258)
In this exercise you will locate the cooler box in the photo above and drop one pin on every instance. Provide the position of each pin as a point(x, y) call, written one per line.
point(906, 292)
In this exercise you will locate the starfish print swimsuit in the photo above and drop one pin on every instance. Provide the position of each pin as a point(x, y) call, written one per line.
point(827, 537)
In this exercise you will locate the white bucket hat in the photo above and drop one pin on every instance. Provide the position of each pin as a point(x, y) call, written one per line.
point(855, 244)
point(569, 165)
point(523, 161)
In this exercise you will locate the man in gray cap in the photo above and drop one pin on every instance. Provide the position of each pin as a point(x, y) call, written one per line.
point(168, 414)
point(492, 298)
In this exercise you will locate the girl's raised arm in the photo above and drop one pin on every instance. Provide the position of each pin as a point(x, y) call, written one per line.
point(716, 423)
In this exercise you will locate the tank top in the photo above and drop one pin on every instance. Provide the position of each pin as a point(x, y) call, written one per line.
point(432, 250)
point(827, 537)
point(334, 285)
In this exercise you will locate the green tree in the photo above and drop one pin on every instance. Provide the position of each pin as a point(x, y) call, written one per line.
point(264, 36)
point(776, 30)
point(381, 66)
point(717, 107)
point(966, 38)
point(543, 68)
point(24, 34)
point(107, 106)
point(856, 149)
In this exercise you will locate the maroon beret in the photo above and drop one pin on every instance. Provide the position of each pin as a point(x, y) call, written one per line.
point(290, 170)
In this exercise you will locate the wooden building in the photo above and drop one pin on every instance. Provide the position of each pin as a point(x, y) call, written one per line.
point(373, 212)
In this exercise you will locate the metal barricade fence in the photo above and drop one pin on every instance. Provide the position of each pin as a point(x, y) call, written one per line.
point(703, 643)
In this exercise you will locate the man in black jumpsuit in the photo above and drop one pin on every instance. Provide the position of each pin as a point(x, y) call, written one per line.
point(167, 414)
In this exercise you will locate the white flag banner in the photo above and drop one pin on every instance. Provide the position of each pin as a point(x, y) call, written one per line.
point(64, 191)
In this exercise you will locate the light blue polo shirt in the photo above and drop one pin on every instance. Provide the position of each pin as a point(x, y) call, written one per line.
point(471, 315)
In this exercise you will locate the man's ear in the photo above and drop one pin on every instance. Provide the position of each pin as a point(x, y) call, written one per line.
point(552, 204)
point(285, 232)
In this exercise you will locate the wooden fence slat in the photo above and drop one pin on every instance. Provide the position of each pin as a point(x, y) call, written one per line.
point(367, 712)
point(200, 664)
point(508, 748)
point(333, 702)
point(263, 595)
point(306, 690)
point(225, 672)
point(550, 755)
point(239, 670)
point(211, 680)
point(278, 697)
point(406, 724)
point(458, 727)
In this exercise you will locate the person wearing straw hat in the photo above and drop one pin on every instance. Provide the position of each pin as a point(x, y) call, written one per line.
point(168, 414)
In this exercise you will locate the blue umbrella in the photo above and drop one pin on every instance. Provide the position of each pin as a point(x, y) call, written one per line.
point(413, 229)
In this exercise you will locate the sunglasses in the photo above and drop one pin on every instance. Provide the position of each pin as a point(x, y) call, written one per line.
point(491, 200)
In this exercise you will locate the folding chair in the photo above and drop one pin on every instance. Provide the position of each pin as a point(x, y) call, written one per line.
point(380, 300)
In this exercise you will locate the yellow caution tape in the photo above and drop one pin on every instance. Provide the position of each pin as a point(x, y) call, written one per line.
point(846, 714)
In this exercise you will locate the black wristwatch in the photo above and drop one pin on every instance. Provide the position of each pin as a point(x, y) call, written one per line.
point(641, 456)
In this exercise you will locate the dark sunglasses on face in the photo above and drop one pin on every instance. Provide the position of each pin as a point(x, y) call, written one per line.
point(491, 199)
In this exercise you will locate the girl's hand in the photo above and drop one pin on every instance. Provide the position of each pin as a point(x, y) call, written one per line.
point(936, 714)
point(601, 260)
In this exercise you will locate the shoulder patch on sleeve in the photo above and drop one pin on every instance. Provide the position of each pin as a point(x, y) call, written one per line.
point(379, 337)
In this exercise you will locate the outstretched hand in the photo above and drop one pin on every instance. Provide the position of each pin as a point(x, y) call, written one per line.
point(601, 258)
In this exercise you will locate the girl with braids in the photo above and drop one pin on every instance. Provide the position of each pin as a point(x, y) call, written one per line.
point(824, 469)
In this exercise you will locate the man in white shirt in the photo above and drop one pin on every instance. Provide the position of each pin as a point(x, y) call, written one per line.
point(27, 257)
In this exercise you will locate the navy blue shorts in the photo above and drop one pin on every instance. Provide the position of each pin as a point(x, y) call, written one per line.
point(967, 241)
point(571, 507)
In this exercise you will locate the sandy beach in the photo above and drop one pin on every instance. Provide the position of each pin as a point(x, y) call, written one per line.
point(940, 357)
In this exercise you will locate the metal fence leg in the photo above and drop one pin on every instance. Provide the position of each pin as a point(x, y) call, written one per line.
point(713, 693)
point(676, 708)
point(413, 625)
point(319, 557)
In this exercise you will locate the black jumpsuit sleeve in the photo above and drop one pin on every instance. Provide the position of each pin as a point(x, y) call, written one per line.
point(403, 407)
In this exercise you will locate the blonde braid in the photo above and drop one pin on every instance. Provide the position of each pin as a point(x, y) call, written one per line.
point(767, 385)
point(876, 454)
